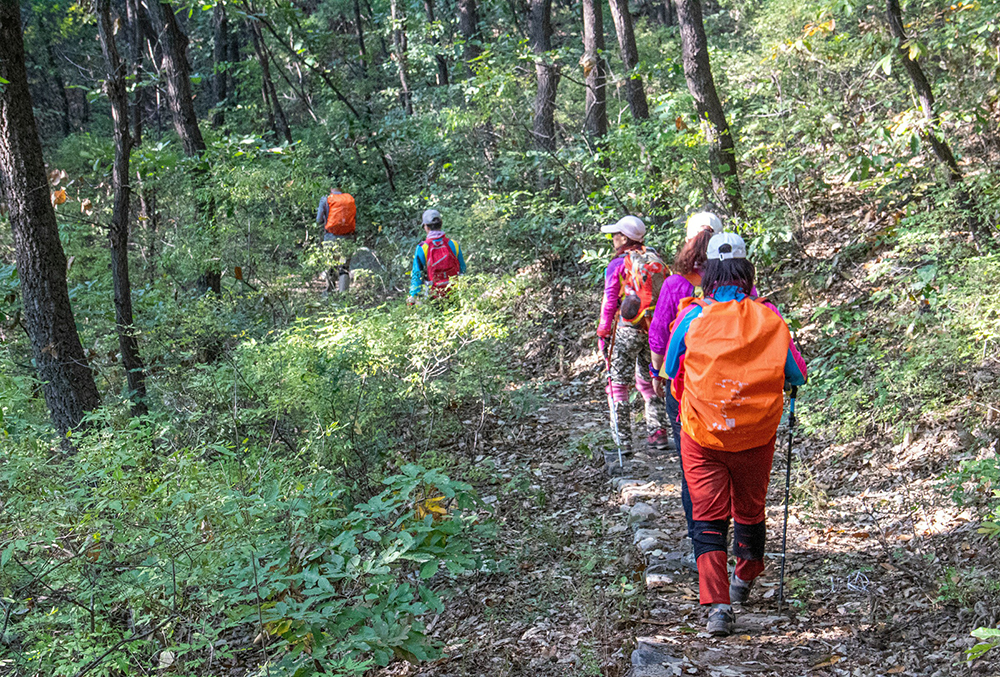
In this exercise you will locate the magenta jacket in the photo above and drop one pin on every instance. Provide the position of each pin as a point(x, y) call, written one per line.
point(612, 295)
point(675, 288)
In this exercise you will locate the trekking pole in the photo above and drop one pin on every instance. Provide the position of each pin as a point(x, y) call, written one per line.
point(788, 482)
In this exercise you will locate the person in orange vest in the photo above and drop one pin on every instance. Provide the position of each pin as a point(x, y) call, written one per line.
point(737, 354)
point(336, 213)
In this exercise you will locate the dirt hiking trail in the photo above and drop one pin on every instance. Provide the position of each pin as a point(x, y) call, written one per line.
point(595, 585)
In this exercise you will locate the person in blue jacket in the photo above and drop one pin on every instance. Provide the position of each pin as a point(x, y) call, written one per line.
point(727, 454)
point(436, 260)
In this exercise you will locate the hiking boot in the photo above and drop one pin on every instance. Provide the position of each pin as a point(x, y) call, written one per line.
point(661, 440)
point(739, 590)
point(721, 622)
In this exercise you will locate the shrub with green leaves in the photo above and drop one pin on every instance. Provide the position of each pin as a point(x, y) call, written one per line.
point(129, 547)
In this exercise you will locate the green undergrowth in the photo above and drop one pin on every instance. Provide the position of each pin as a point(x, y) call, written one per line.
point(277, 517)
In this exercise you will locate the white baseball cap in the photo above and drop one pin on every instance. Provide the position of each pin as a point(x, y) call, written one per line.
point(703, 221)
point(735, 242)
point(431, 217)
point(631, 227)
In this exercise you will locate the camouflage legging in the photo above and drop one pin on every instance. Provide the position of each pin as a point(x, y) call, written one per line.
point(629, 366)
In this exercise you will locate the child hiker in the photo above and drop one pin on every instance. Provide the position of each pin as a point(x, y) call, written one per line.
point(737, 355)
point(632, 283)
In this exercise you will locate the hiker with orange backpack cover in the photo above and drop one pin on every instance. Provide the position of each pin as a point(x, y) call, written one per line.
point(632, 284)
point(436, 260)
point(337, 213)
point(737, 354)
point(685, 282)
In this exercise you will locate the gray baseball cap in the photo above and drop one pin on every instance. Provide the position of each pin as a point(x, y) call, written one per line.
point(431, 217)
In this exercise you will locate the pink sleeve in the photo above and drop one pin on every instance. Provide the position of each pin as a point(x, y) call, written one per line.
point(612, 294)
point(793, 350)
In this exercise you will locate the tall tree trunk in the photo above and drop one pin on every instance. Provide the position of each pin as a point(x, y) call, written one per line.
point(220, 56)
point(924, 93)
point(67, 381)
point(174, 46)
point(359, 30)
point(540, 29)
point(442, 62)
point(140, 43)
point(468, 26)
point(596, 116)
point(57, 78)
point(135, 54)
point(381, 38)
point(698, 73)
point(634, 92)
point(931, 132)
point(118, 234)
point(398, 16)
point(278, 121)
point(669, 13)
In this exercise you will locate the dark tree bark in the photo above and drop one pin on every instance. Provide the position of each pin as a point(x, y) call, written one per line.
point(115, 86)
point(540, 28)
point(468, 26)
point(141, 42)
point(930, 133)
point(235, 47)
point(381, 38)
point(398, 17)
point(359, 30)
point(275, 114)
point(67, 381)
point(596, 116)
point(136, 47)
point(174, 46)
point(442, 62)
point(220, 54)
point(57, 78)
point(701, 84)
point(924, 93)
point(634, 92)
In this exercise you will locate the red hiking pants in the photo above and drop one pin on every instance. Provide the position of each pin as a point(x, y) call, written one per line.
point(724, 484)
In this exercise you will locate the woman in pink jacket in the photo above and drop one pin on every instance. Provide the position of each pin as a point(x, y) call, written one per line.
point(685, 281)
point(628, 353)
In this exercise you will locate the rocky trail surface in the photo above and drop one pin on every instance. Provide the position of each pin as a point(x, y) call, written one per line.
point(589, 578)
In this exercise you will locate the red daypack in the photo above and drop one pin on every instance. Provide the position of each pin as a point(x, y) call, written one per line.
point(442, 264)
point(643, 273)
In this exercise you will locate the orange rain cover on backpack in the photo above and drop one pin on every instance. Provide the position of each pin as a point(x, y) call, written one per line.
point(340, 217)
point(734, 372)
